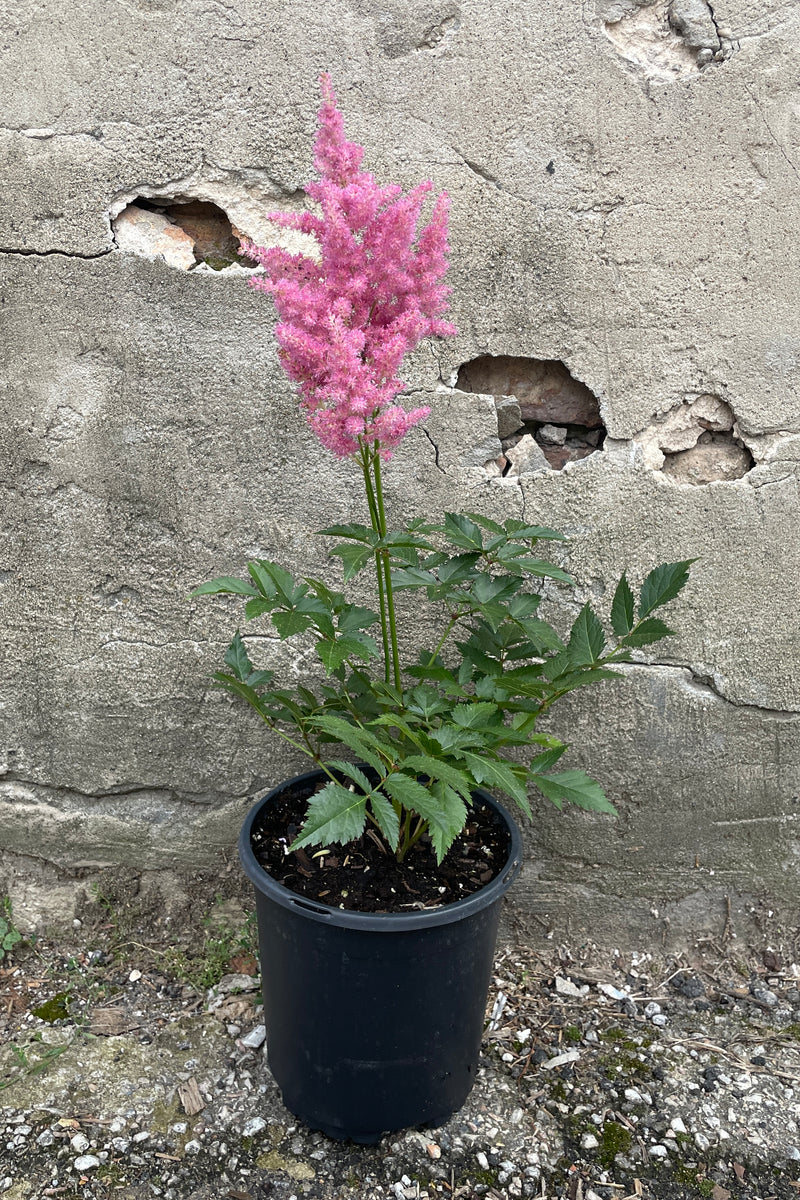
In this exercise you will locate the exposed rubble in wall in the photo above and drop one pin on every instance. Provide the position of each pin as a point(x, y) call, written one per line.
point(197, 223)
point(697, 442)
point(545, 417)
point(666, 39)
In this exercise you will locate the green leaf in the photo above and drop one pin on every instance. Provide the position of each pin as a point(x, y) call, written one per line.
point(237, 659)
point(662, 585)
point(335, 814)
point(354, 773)
point(333, 654)
point(461, 531)
point(259, 678)
point(412, 577)
point(225, 583)
point(497, 774)
point(542, 635)
point(358, 533)
point(288, 624)
point(652, 629)
point(476, 716)
point(352, 617)
point(262, 578)
point(524, 604)
point(586, 640)
point(354, 559)
point(486, 523)
point(575, 787)
point(257, 607)
point(387, 818)
point(361, 741)
point(622, 608)
point(546, 760)
point(519, 529)
point(434, 768)
point(439, 805)
point(543, 569)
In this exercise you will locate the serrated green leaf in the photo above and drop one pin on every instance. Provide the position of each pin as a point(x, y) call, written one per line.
point(288, 624)
point(476, 716)
point(353, 617)
point(652, 629)
point(354, 559)
point(486, 523)
point(412, 577)
point(442, 808)
point(586, 639)
point(497, 774)
point(333, 654)
point(434, 768)
point(387, 818)
point(519, 529)
point(542, 569)
point(354, 531)
point(262, 578)
point(353, 772)
point(543, 637)
point(259, 678)
point(461, 531)
point(361, 741)
point(662, 585)
point(622, 608)
point(335, 814)
point(546, 760)
point(524, 604)
point(225, 583)
point(257, 607)
point(237, 659)
point(574, 787)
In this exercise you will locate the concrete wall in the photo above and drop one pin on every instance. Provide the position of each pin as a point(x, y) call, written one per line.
point(624, 184)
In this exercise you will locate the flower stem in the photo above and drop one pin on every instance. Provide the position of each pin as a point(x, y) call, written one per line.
point(387, 570)
point(364, 461)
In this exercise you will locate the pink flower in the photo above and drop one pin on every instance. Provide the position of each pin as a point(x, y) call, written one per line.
point(348, 320)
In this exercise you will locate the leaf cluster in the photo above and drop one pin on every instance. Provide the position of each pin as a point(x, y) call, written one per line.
point(465, 711)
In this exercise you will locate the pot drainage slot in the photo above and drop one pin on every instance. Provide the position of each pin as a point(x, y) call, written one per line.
point(545, 417)
point(314, 908)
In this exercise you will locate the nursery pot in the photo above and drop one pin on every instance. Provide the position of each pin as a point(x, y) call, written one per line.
point(374, 1020)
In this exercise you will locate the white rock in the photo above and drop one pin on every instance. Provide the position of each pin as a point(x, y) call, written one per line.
point(255, 1038)
point(192, 1147)
point(561, 1059)
point(565, 987)
point(652, 1009)
point(79, 1143)
point(589, 1142)
point(45, 1138)
point(482, 1160)
point(253, 1126)
point(612, 992)
point(677, 1124)
point(151, 235)
point(87, 1162)
point(658, 1151)
point(659, 1019)
point(134, 976)
point(701, 1141)
point(527, 457)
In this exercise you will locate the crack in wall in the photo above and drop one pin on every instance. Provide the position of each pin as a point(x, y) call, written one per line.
point(435, 449)
point(771, 132)
point(700, 681)
point(12, 250)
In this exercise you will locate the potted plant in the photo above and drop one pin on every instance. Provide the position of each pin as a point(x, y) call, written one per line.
point(379, 873)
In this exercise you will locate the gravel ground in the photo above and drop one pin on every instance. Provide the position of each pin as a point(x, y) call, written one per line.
point(124, 1073)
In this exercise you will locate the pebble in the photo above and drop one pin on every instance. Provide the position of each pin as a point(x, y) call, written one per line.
point(659, 1019)
point(255, 1038)
point(701, 1141)
point(565, 987)
point(677, 1125)
point(134, 976)
point(254, 1126)
point(79, 1143)
point(658, 1151)
point(589, 1142)
point(86, 1162)
point(434, 1151)
point(652, 1009)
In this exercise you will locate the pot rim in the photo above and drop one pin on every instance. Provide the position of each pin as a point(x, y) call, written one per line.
point(315, 910)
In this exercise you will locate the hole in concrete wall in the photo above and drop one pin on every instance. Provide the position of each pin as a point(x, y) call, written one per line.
point(697, 442)
point(183, 231)
point(665, 39)
point(714, 458)
point(545, 417)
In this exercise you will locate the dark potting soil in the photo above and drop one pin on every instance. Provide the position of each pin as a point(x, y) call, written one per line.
point(364, 875)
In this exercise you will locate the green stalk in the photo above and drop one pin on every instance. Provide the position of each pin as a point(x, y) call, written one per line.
point(375, 519)
point(376, 461)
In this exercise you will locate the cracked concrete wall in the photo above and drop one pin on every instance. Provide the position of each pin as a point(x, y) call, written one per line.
point(624, 202)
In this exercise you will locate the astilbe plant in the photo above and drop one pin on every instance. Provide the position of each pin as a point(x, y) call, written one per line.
point(464, 713)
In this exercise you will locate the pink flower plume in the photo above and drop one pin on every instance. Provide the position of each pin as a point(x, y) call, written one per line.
point(348, 320)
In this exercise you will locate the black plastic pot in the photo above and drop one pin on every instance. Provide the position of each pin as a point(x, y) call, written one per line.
point(374, 1020)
